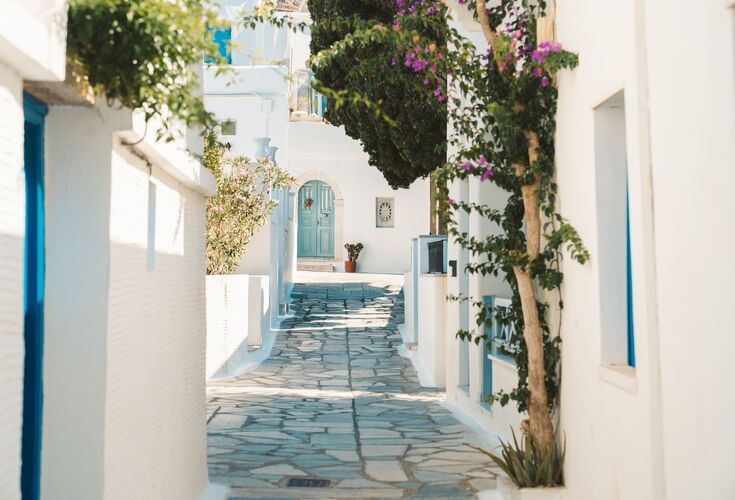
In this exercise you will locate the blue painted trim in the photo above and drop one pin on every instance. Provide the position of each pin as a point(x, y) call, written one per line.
point(33, 292)
point(629, 286)
point(487, 363)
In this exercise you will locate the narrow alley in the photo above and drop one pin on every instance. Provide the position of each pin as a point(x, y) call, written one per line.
point(335, 401)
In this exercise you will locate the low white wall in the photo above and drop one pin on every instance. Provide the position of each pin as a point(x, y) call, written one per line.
point(432, 331)
point(227, 322)
point(409, 306)
point(259, 311)
point(238, 316)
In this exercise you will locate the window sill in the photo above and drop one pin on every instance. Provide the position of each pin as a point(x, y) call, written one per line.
point(622, 376)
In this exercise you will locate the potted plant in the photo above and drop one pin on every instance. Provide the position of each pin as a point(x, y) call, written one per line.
point(353, 251)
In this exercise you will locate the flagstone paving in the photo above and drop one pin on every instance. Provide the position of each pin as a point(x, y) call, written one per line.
point(336, 401)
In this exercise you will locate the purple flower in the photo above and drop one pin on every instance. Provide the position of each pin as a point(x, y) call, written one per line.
point(451, 202)
point(544, 82)
point(537, 72)
point(486, 174)
point(467, 166)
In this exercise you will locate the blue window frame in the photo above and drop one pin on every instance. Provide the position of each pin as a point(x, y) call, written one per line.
point(222, 37)
point(487, 363)
point(629, 287)
point(33, 292)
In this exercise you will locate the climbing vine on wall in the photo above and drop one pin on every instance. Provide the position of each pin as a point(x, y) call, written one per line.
point(502, 107)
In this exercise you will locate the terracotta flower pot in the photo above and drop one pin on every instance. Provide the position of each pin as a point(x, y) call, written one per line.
point(350, 266)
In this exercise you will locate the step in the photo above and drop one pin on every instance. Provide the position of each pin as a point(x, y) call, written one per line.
point(315, 266)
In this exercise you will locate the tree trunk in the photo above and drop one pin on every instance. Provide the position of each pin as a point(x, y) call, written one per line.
point(540, 426)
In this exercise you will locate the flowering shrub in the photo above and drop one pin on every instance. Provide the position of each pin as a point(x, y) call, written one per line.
point(241, 206)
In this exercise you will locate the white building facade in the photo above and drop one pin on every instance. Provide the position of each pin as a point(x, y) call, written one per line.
point(102, 329)
point(338, 197)
point(645, 144)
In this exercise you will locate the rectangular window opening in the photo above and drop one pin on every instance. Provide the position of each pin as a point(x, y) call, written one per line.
point(615, 267)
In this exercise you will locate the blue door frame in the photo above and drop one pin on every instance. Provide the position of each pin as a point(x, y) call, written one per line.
point(33, 292)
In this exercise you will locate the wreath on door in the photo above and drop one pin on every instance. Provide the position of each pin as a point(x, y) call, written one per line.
point(308, 202)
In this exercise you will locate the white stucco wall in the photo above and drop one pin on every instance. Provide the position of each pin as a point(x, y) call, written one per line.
point(12, 230)
point(154, 437)
point(660, 430)
point(78, 182)
point(125, 318)
point(692, 156)
point(608, 412)
point(432, 293)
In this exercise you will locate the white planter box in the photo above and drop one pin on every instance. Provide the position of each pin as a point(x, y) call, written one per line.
point(507, 490)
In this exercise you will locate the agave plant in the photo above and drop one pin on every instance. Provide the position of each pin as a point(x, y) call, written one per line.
point(527, 465)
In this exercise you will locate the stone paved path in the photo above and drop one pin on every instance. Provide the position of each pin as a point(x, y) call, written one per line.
point(336, 401)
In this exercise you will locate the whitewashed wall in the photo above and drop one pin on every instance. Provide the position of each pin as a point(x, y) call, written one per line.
point(660, 430)
point(32, 46)
point(12, 230)
point(125, 312)
point(608, 411)
point(692, 158)
point(154, 439)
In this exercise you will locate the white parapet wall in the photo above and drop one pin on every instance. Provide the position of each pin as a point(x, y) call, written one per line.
point(238, 320)
point(259, 311)
point(409, 326)
point(227, 322)
point(432, 293)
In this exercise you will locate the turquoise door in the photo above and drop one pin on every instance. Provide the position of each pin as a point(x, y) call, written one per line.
point(30, 473)
point(316, 220)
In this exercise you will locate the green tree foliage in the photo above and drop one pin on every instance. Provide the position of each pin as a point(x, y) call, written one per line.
point(414, 144)
point(143, 55)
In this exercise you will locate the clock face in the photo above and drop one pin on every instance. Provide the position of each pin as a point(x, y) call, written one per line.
point(385, 212)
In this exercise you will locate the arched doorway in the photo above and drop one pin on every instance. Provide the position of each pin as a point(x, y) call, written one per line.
point(316, 212)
